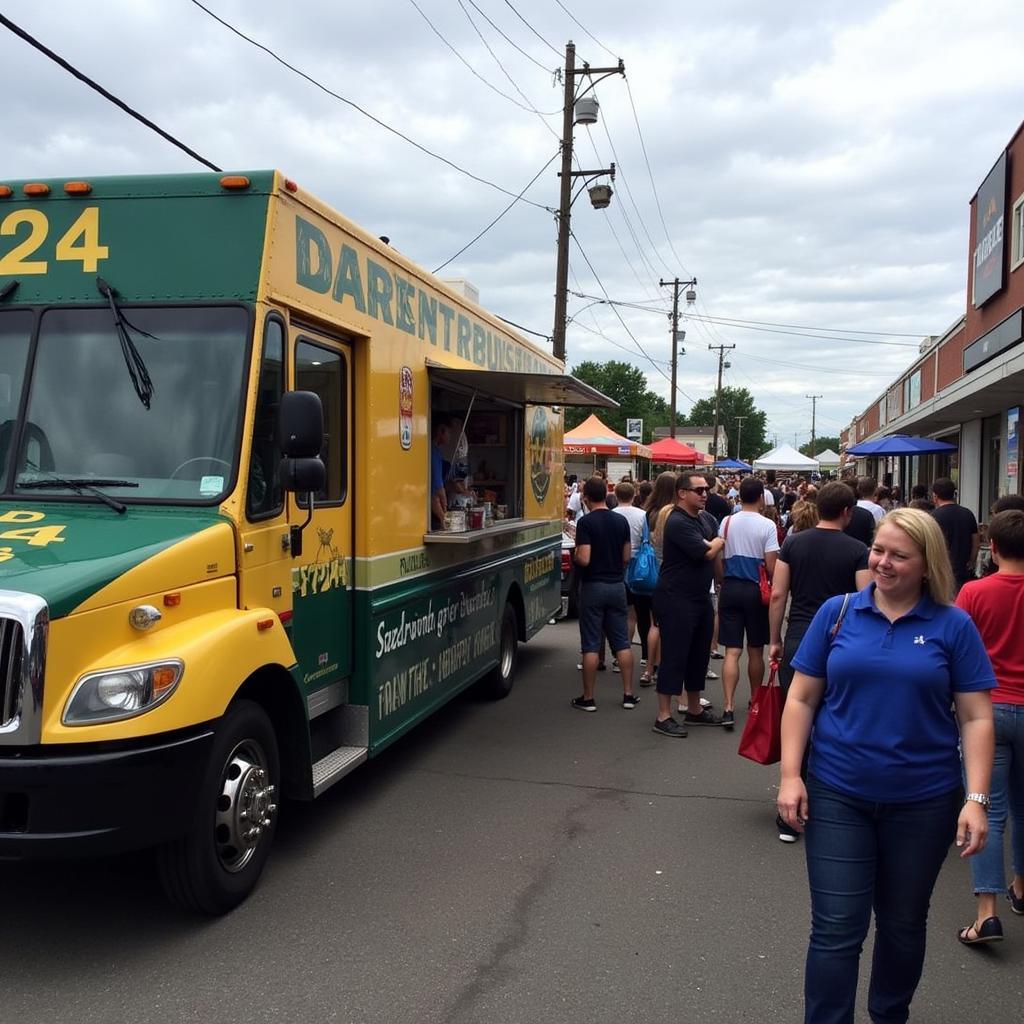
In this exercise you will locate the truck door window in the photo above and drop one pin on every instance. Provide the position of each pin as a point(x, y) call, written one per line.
point(15, 331)
point(264, 497)
point(323, 370)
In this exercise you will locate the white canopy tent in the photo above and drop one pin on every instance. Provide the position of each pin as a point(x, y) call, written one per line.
point(828, 459)
point(787, 458)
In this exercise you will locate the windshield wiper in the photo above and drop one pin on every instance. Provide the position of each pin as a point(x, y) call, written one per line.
point(136, 367)
point(81, 486)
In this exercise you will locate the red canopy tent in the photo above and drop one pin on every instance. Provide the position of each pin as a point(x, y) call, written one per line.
point(675, 453)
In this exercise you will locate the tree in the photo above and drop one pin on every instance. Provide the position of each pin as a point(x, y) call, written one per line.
point(734, 402)
point(627, 386)
point(820, 444)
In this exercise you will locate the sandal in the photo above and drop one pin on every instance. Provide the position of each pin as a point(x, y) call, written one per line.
point(645, 680)
point(990, 930)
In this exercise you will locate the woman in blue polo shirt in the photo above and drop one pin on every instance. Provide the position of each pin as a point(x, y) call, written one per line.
point(884, 797)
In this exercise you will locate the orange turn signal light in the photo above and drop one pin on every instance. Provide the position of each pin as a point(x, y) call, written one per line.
point(164, 677)
point(234, 181)
point(262, 624)
point(36, 188)
point(77, 188)
point(172, 600)
point(6, 191)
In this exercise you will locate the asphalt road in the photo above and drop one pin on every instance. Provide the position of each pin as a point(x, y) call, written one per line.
point(509, 862)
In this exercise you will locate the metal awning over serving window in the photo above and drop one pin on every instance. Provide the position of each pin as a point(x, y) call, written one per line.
point(522, 388)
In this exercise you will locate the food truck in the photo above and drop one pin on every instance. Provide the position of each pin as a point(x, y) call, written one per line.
point(221, 584)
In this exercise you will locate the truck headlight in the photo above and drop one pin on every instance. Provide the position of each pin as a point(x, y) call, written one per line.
point(118, 693)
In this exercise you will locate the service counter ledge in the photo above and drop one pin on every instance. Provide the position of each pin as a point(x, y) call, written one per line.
point(471, 536)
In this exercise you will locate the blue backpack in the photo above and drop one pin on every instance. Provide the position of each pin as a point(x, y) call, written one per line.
point(642, 571)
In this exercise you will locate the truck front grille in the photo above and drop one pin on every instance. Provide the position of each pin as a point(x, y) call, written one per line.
point(12, 649)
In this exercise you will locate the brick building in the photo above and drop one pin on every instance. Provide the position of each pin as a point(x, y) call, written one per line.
point(967, 385)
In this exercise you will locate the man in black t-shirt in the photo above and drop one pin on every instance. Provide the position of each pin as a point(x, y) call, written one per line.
point(717, 505)
point(861, 525)
point(691, 550)
point(603, 550)
point(960, 529)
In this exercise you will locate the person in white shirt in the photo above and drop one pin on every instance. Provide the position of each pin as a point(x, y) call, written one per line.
point(867, 491)
point(751, 544)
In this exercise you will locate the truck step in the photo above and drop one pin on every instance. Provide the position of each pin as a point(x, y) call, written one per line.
point(336, 765)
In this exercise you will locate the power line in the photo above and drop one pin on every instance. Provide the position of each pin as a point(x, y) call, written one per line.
point(472, 70)
point(512, 323)
point(511, 42)
point(540, 114)
point(558, 53)
point(818, 369)
point(477, 237)
point(612, 341)
point(797, 334)
point(106, 94)
point(361, 110)
point(803, 327)
point(585, 29)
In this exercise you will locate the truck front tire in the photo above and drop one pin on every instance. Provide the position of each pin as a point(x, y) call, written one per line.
point(217, 864)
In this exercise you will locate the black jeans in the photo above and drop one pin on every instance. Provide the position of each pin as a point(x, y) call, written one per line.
point(862, 856)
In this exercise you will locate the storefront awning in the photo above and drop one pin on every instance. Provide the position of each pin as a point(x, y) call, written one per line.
point(522, 388)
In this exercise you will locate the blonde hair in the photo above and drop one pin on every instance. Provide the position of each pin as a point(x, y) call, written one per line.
point(928, 538)
point(803, 515)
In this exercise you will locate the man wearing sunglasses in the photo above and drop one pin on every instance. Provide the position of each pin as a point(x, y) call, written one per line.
point(682, 601)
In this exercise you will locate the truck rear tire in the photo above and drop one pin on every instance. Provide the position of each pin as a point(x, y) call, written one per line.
point(497, 684)
point(217, 864)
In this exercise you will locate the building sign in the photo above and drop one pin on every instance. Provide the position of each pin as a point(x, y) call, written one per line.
point(635, 430)
point(989, 214)
point(1004, 335)
point(1012, 420)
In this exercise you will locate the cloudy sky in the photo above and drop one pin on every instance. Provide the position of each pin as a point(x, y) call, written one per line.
point(810, 162)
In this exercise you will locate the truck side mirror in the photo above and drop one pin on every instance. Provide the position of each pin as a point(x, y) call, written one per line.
point(300, 433)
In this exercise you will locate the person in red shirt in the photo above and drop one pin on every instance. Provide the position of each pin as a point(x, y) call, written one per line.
point(996, 604)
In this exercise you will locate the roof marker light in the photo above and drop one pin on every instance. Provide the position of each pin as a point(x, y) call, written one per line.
point(36, 188)
point(290, 185)
point(234, 181)
point(77, 188)
point(6, 191)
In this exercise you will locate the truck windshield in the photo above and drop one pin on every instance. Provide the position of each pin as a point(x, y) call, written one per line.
point(83, 419)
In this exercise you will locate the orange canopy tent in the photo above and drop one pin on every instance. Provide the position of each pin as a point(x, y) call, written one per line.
point(676, 453)
point(592, 437)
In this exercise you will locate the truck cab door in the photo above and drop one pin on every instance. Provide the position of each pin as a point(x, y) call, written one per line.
point(322, 575)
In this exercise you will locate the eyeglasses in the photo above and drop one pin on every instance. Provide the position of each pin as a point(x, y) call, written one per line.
point(696, 490)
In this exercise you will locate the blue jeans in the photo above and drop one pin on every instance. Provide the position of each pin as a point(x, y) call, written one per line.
point(863, 856)
point(1007, 796)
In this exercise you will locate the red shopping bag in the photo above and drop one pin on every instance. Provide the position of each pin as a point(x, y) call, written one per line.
point(762, 735)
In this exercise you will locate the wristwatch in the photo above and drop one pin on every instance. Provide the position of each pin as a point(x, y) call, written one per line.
point(978, 798)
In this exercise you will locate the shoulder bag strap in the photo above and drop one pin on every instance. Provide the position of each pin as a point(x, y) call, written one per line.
point(842, 615)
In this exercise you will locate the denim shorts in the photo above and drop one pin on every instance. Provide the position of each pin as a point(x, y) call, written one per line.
point(603, 613)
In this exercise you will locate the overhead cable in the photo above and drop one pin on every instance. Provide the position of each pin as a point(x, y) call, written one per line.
point(477, 237)
point(106, 94)
point(585, 29)
point(510, 42)
point(532, 29)
point(361, 110)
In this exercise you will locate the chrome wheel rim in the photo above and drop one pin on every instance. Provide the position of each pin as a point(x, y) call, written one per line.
point(245, 808)
point(508, 647)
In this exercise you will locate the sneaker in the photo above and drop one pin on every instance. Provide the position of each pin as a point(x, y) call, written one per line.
point(704, 702)
point(645, 680)
point(671, 728)
point(615, 665)
point(584, 703)
point(710, 675)
point(1016, 902)
point(786, 834)
point(579, 666)
point(643, 662)
point(717, 656)
point(629, 701)
point(728, 721)
point(704, 718)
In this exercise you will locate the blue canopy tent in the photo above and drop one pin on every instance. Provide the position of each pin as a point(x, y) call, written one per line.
point(901, 444)
point(736, 464)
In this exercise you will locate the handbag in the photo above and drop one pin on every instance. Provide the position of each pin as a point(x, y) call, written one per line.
point(642, 571)
point(762, 734)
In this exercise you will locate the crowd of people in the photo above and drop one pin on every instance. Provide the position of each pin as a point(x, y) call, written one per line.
point(902, 666)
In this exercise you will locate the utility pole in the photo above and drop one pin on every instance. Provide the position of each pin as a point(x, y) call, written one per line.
point(676, 284)
point(739, 430)
point(721, 349)
point(814, 410)
point(565, 199)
